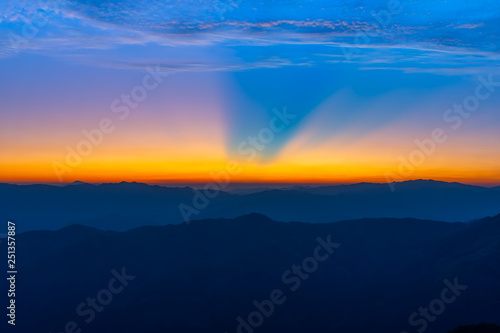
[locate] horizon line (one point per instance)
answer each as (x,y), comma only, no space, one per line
(247,184)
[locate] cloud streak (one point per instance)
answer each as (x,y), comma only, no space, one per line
(422,31)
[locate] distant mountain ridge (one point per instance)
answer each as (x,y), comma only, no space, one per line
(121,206)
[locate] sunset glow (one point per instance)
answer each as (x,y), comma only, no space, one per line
(181,110)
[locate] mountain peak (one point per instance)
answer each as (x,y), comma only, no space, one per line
(253,217)
(77,182)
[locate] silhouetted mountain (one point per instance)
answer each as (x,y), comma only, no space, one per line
(201,277)
(251,190)
(77,182)
(124,205)
(481,328)
(411,185)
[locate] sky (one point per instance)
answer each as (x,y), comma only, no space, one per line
(250,91)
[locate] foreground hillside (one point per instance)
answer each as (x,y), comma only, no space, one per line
(252,274)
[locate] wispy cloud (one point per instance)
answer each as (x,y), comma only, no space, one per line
(79,26)
(471,25)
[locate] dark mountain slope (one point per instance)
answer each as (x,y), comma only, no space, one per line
(202,276)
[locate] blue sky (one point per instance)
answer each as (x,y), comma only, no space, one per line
(356,67)
(435,36)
